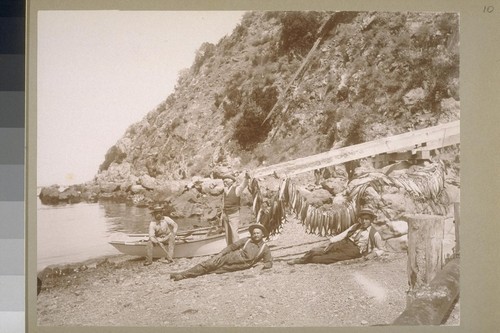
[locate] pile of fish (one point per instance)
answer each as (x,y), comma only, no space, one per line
(424,184)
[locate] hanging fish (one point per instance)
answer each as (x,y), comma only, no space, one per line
(291,194)
(304,212)
(254,186)
(321,231)
(319,216)
(258,219)
(293,198)
(331,223)
(299,202)
(281,189)
(309,217)
(265,219)
(337,222)
(344,219)
(285,197)
(328,223)
(257,201)
(312,220)
(298,212)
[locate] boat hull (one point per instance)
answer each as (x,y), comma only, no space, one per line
(183,248)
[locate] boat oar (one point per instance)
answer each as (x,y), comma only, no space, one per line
(164,249)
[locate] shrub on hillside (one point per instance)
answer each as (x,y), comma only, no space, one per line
(328,128)
(299,31)
(233,94)
(356,118)
(249,129)
(265,97)
(206,51)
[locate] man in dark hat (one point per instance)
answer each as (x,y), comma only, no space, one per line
(355,242)
(162,233)
(231,202)
(242,254)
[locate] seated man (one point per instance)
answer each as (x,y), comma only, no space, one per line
(162,233)
(240,255)
(355,242)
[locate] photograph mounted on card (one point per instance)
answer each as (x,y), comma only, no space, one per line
(254,166)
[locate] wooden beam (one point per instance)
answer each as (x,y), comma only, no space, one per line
(433,302)
(405,141)
(443,142)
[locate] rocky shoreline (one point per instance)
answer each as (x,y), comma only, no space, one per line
(119,290)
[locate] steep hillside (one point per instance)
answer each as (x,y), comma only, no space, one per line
(284,85)
(372,75)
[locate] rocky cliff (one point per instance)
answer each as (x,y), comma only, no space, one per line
(286,85)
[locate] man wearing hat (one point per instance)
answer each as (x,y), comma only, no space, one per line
(162,233)
(231,202)
(240,255)
(352,243)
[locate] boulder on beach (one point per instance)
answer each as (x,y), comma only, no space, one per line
(70,195)
(147,182)
(49,195)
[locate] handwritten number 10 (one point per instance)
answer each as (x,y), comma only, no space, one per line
(488,9)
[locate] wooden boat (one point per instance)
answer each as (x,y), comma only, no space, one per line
(189,243)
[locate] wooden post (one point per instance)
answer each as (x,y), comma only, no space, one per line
(425,237)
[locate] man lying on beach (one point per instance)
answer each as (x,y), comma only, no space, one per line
(355,242)
(240,255)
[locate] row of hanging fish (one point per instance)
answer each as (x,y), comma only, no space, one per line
(271,213)
(426,185)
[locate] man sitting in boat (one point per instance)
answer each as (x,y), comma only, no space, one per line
(240,255)
(161,235)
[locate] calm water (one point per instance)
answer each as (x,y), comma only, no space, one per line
(75,233)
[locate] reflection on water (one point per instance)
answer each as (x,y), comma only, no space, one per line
(125,218)
(77,232)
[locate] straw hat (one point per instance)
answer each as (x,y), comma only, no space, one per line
(251,227)
(367,211)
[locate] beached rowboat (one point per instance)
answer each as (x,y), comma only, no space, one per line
(190,243)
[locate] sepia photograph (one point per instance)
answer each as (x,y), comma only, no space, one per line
(253,168)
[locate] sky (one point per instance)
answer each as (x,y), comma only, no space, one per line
(98,72)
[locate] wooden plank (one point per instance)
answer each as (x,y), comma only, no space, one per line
(399,142)
(444,142)
(433,303)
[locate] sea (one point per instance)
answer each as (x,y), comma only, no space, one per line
(73,233)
